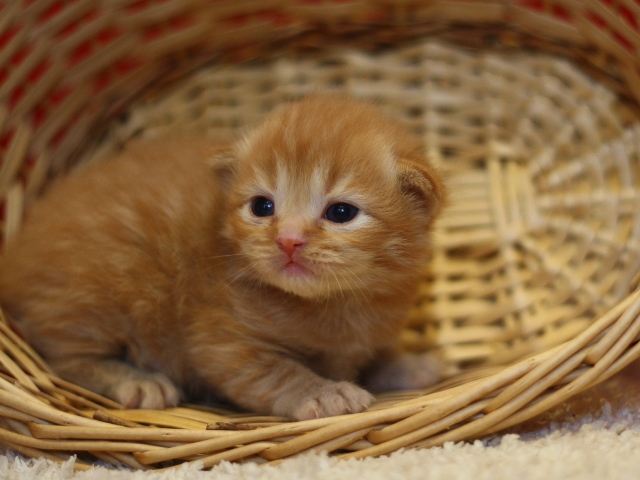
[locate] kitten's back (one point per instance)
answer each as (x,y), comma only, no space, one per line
(110,243)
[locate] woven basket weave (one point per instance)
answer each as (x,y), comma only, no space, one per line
(531,295)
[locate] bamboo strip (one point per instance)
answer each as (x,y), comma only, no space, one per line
(341,441)
(485,423)
(129,460)
(600,349)
(103,416)
(17,427)
(200,416)
(14,157)
(479,390)
(141,434)
(8,412)
(95,63)
(59,404)
(41,367)
(571,347)
(83,392)
(247,417)
(412,437)
(48,387)
(347,425)
(414,414)
(38,177)
(602,370)
(64,114)
(19,391)
(107,458)
(64,17)
(14,206)
(161,418)
(356,446)
(74,445)
(44,412)
(234,454)
(238,438)
(547,402)
(9,14)
(36,453)
(35,95)
(29,366)
(16,371)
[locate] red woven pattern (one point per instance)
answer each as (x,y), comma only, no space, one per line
(65,62)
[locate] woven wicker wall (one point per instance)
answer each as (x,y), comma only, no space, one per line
(541,245)
(68,66)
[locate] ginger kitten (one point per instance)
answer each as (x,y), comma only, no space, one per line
(272,272)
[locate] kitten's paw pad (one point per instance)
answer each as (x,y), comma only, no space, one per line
(333,399)
(406,372)
(153,391)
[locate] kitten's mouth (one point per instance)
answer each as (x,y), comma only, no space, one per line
(295,269)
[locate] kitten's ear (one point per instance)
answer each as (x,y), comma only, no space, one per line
(223,161)
(423,184)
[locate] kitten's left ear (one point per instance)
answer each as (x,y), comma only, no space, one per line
(223,161)
(423,184)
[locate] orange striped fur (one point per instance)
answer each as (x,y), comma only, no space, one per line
(149,276)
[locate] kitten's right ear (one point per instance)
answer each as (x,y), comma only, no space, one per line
(223,161)
(422,184)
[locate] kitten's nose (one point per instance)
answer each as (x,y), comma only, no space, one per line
(289,244)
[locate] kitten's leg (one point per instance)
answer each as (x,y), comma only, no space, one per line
(268,381)
(403,371)
(120,381)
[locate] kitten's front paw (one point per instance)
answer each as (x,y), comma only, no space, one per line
(336,398)
(151,391)
(405,372)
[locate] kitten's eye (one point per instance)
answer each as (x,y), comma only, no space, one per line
(341,213)
(262,207)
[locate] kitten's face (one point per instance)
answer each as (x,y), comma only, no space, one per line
(320,201)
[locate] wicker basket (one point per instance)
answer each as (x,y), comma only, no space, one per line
(531,296)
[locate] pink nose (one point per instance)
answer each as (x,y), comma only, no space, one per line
(289,244)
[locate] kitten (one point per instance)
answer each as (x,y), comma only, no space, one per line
(272,271)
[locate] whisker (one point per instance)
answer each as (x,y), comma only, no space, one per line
(198,268)
(236,275)
(339,285)
(367,294)
(348,283)
(213,257)
(364,288)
